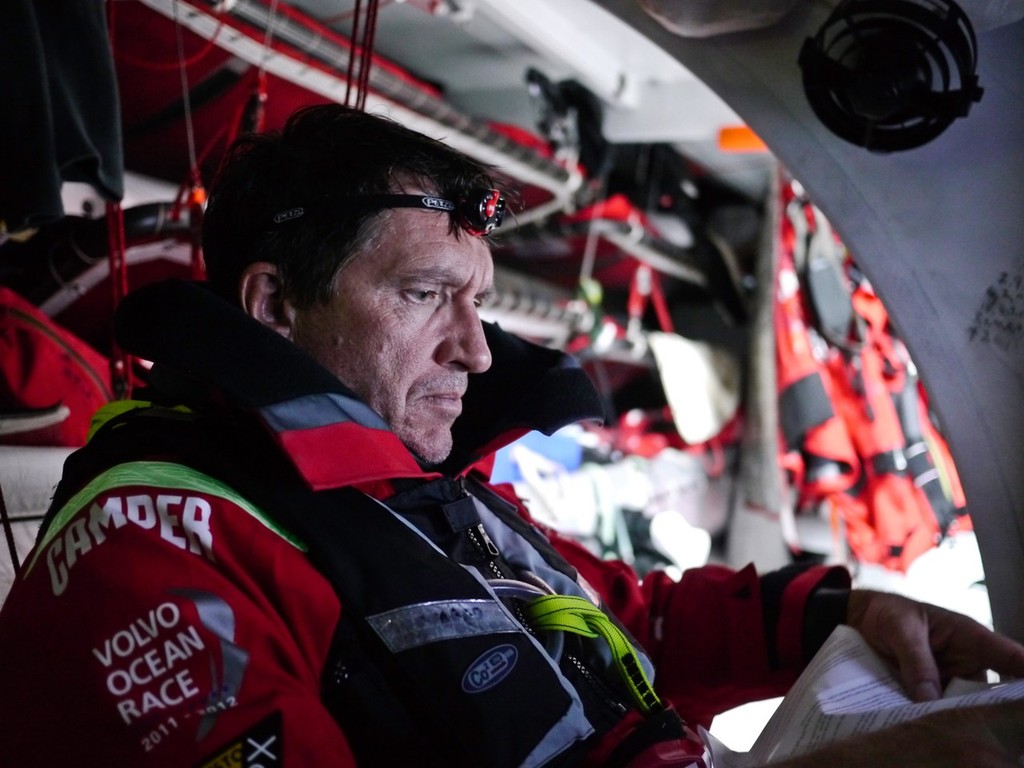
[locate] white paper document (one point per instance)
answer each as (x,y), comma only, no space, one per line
(846,690)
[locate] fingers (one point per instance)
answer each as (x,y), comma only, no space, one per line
(927,643)
(968,649)
(1005,656)
(910,646)
(898,628)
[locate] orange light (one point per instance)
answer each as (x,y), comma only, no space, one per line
(739,138)
(197,195)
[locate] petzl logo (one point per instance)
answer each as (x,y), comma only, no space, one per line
(440,203)
(490,669)
(291,213)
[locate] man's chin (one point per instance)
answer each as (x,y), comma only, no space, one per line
(429,449)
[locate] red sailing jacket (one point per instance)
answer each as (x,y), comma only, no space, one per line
(164,619)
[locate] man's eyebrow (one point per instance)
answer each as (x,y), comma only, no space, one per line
(443,275)
(447,277)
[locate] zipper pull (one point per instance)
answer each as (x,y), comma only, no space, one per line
(492,550)
(462,512)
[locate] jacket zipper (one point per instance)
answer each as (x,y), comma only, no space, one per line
(602,690)
(486,546)
(478,534)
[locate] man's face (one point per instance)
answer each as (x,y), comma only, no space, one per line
(402,329)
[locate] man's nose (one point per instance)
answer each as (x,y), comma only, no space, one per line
(465,345)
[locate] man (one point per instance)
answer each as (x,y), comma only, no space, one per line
(289,554)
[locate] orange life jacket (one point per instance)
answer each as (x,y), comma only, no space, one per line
(855,428)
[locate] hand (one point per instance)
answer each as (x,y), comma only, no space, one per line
(928,645)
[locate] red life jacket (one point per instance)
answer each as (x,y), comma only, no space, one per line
(817,450)
(900,494)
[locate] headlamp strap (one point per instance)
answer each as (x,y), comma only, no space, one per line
(478,215)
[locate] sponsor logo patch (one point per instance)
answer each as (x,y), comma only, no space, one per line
(181,521)
(259,747)
(490,669)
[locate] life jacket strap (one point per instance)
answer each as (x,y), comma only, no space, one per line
(569,613)
(892,462)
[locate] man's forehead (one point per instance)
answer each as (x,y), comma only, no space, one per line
(419,227)
(418,242)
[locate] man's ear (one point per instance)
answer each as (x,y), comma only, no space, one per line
(262,298)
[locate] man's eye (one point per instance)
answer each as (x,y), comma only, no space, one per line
(423,295)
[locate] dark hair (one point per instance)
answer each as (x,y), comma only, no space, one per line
(323,153)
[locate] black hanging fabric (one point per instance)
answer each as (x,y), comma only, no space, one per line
(62,121)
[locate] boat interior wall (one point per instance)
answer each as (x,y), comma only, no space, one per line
(938,231)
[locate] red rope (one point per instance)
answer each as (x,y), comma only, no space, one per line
(660,305)
(346,15)
(360,57)
(368,45)
(357,15)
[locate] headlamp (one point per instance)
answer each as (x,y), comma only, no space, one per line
(478,213)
